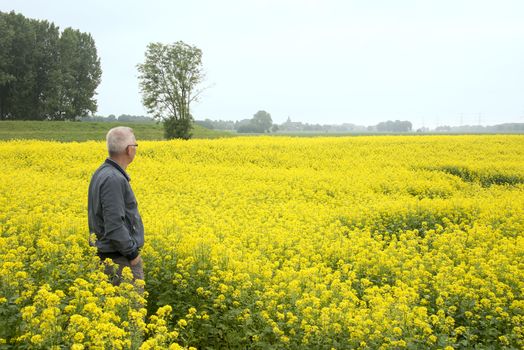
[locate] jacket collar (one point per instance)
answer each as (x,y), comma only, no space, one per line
(118,167)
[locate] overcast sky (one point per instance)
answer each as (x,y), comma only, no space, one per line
(430,62)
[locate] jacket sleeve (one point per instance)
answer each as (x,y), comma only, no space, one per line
(113,210)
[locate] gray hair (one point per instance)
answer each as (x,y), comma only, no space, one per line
(118,139)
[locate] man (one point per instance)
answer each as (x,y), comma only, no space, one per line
(112,207)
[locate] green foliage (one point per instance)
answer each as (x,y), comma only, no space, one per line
(178,128)
(262,120)
(45,75)
(394,126)
(80,75)
(168,79)
(260,123)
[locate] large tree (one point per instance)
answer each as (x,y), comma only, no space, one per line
(168,79)
(80,75)
(45,74)
(16,68)
(47,71)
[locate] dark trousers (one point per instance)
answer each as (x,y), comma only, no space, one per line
(115,272)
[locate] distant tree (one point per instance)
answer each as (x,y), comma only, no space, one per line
(95,118)
(394,126)
(224,125)
(217,124)
(249,128)
(245,126)
(168,80)
(385,126)
(208,123)
(443,128)
(262,121)
(515,127)
(274,128)
(135,118)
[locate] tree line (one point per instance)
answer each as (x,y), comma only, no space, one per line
(505,127)
(262,123)
(46,74)
(121,118)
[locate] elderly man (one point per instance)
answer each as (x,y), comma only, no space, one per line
(112,207)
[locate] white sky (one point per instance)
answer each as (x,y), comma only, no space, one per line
(428,61)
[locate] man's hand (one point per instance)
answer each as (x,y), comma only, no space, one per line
(136,260)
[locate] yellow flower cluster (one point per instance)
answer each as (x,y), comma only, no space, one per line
(383,242)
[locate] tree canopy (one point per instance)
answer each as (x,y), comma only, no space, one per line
(45,74)
(168,79)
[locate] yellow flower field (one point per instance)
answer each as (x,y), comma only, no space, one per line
(378,242)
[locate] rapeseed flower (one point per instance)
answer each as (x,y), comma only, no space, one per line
(373,242)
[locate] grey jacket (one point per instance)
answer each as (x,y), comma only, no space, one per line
(113,213)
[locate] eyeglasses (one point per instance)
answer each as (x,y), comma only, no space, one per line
(135,145)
